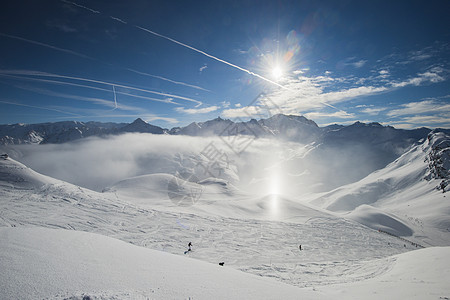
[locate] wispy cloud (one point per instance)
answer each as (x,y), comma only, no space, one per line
(311,93)
(421,107)
(358,64)
(352,62)
(433,76)
(308,93)
(240,112)
(373,110)
(429,112)
(203,68)
(337,114)
(61,26)
(433,121)
(192,111)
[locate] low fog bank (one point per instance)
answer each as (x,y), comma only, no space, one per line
(262,166)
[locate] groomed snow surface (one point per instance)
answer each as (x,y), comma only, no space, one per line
(61,241)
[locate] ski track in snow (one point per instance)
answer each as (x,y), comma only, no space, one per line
(335,250)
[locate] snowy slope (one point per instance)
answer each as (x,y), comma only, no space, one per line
(61,264)
(258,234)
(16,175)
(411,275)
(404,198)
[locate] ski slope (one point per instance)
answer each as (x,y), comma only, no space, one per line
(61,264)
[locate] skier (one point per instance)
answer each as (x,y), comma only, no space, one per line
(300,247)
(189,248)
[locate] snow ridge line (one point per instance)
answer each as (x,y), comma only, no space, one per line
(403,239)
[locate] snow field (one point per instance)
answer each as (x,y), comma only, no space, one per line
(334,248)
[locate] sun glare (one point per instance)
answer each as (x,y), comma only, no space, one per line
(277,72)
(274,186)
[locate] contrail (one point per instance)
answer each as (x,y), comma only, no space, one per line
(39,107)
(169,80)
(81,6)
(117,19)
(46,45)
(205,54)
(115,98)
(90,58)
(169,100)
(212,56)
(97,101)
(187,46)
(104,83)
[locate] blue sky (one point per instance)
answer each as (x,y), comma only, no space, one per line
(174,62)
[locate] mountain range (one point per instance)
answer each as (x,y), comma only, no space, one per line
(286,127)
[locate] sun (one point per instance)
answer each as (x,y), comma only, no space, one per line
(277,72)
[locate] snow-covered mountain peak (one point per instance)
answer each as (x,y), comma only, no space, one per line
(141,126)
(289,119)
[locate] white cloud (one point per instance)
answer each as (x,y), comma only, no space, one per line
(306,93)
(373,110)
(151,118)
(241,112)
(429,113)
(414,108)
(420,55)
(359,64)
(442,120)
(383,74)
(203,68)
(225,104)
(192,111)
(338,114)
(433,76)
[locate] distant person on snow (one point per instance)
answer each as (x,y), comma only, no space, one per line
(300,247)
(189,246)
